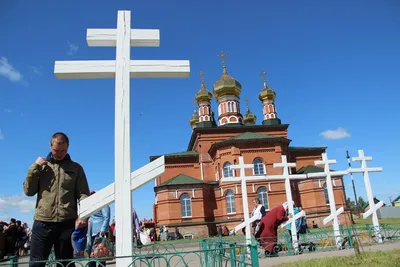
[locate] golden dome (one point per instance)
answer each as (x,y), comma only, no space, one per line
(194,119)
(226,85)
(249,117)
(266,93)
(203,95)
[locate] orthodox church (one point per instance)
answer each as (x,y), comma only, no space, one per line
(190,194)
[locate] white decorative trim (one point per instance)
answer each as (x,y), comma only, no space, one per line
(253,188)
(193,195)
(236,189)
(269,190)
(176,194)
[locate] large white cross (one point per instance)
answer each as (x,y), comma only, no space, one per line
(122,68)
(332,204)
(372,206)
(287,177)
(106,196)
(243,179)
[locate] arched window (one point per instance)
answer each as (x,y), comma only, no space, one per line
(263,197)
(326,194)
(230,202)
(228,172)
(258,166)
(186,206)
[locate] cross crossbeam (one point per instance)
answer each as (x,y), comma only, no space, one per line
(108,37)
(88,69)
(122,69)
(287,176)
(106,196)
(243,179)
(328,174)
(373,208)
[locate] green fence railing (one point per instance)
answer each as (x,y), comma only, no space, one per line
(233,250)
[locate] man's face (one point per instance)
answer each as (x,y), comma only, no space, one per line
(59,150)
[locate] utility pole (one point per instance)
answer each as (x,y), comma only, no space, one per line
(352,182)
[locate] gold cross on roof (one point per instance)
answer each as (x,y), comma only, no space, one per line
(223,55)
(264,75)
(201,74)
(247,103)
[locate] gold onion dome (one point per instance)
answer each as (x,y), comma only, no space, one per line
(194,119)
(203,95)
(226,85)
(266,93)
(249,117)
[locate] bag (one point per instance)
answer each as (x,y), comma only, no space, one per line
(102,248)
(257,229)
(145,239)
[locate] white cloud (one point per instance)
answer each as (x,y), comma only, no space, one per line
(8,71)
(20,202)
(73,48)
(7,110)
(339,133)
(1,135)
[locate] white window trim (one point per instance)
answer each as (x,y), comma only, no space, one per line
(264,169)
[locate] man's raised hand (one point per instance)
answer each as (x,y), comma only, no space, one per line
(41,161)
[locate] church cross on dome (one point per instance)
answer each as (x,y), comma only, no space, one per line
(223,56)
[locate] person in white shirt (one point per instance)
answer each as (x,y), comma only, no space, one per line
(258,211)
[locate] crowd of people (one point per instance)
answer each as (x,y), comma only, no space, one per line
(14,238)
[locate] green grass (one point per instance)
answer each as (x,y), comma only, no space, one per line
(381,221)
(372,259)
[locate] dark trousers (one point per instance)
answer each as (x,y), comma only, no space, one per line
(45,235)
(290,233)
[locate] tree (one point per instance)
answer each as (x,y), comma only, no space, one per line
(361,204)
(352,206)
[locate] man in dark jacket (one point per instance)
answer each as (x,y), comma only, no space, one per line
(59,183)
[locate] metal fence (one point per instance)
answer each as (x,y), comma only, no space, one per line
(233,250)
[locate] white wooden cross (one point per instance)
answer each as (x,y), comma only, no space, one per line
(287,177)
(332,204)
(372,206)
(122,68)
(243,179)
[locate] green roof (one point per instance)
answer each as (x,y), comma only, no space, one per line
(250,136)
(309,169)
(247,137)
(376,201)
(184,153)
(182,179)
(176,155)
(297,148)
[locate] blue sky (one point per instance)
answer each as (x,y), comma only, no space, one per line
(333,64)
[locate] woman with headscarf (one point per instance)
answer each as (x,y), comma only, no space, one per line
(268,228)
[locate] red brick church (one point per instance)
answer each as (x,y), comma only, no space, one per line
(190,194)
